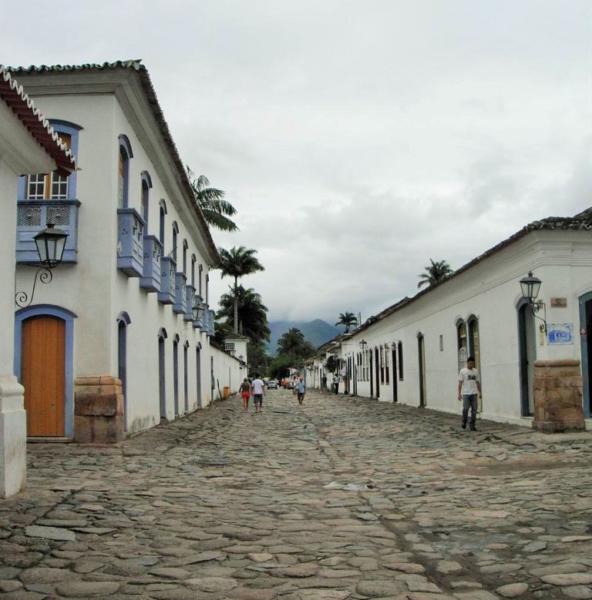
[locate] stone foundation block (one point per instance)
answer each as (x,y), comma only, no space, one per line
(98,410)
(558,396)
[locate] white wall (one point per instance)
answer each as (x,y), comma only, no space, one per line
(491,292)
(97,292)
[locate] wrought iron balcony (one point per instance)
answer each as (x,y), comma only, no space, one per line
(130,242)
(151,277)
(190,295)
(168,268)
(33,217)
(180,305)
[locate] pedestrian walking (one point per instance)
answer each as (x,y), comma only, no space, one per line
(301,390)
(258,388)
(245,390)
(324,382)
(469,389)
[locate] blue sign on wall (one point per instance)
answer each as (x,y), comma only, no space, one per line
(560,333)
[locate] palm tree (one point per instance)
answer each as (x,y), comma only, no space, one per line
(252,313)
(238,262)
(210,200)
(435,272)
(293,343)
(348,319)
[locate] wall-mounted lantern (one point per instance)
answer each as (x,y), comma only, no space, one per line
(197,310)
(530,286)
(363,344)
(50,244)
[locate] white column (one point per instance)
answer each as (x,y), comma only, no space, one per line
(13,437)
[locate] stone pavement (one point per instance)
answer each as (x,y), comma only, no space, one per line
(340,498)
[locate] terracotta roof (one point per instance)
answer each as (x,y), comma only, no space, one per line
(579,222)
(139,68)
(22,106)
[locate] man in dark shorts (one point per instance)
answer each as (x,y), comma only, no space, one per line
(300,390)
(258,388)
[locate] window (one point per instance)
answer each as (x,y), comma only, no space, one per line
(381,364)
(175,236)
(207,289)
(474,349)
(200,287)
(145,196)
(163,212)
(386,365)
(462,348)
(193,260)
(52,186)
(400,356)
(185,246)
(441,343)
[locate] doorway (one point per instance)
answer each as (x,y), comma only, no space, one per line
(370,373)
(377,372)
(161,379)
(122,364)
(422,382)
(394,375)
(586,350)
(43,374)
(527,356)
(176,376)
(198,375)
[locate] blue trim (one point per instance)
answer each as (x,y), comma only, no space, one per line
(145,177)
(50,310)
(163,205)
(125,144)
(60,126)
(124,316)
(585,359)
(21,189)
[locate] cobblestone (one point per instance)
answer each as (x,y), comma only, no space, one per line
(338,498)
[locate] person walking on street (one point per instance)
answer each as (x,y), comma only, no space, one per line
(301,390)
(258,388)
(245,390)
(469,389)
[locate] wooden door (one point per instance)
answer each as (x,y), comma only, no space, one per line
(43,373)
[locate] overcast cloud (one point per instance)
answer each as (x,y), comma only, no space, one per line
(356,138)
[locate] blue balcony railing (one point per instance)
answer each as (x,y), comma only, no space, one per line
(33,217)
(205,320)
(150,280)
(199,322)
(190,295)
(180,305)
(211,322)
(130,242)
(168,268)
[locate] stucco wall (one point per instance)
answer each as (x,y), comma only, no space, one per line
(490,291)
(98,293)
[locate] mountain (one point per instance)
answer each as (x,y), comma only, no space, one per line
(317,332)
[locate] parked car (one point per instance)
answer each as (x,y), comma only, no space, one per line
(272,384)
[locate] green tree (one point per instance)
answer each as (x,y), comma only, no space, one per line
(215,209)
(347,319)
(332,364)
(258,358)
(236,263)
(251,314)
(435,272)
(293,343)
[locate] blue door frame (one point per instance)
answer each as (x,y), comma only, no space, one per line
(49,310)
(585,302)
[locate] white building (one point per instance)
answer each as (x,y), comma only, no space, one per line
(27,145)
(412,351)
(113,339)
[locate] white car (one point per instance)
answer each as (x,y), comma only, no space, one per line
(272,384)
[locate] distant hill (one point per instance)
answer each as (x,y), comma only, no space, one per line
(317,332)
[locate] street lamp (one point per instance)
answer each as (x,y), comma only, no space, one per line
(363,344)
(530,286)
(50,244)
(197,310)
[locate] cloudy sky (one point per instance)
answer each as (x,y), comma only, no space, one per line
(357,138)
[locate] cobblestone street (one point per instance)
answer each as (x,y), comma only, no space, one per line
(340,498)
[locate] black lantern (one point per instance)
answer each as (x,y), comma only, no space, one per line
(363,344)
(51,243)
(530,286)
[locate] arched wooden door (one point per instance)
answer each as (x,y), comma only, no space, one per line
(43,374)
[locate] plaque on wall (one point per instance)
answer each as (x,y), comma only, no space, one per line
(560,334)
(558,302)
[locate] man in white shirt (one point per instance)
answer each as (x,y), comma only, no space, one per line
(258,388)
(469,388)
